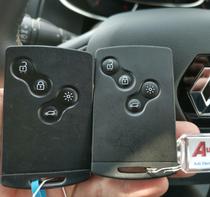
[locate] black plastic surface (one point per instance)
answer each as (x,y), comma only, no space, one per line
(33,149)
(125,139)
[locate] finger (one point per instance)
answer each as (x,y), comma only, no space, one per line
(106,187)
(55,192)
(183,127)
(9,192)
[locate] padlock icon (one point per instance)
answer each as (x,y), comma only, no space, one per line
(110,65)
(125,80)
(23,68)
(41,85)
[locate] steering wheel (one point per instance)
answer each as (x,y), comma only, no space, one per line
(185,31)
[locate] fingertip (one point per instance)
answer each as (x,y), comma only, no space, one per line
(181,174)
(1,91)
(100,186)
(161,187)
(166,186)
(148,188)
(184,127)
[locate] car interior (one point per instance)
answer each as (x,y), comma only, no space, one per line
(104,48)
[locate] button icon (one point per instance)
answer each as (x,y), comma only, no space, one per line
(134,105)
(68,96)
(150,89)
(22,68)
(41,85)
(49,114)
(124,81)
(110,66)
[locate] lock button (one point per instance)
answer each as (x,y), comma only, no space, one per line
(125,81)
(41,87)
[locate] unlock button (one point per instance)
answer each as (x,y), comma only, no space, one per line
(41,87)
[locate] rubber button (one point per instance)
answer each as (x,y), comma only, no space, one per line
(41,87)
(49,114)
(150,89)
(134,105)
(22,68)
(68,96)
(125,81)
(110,66)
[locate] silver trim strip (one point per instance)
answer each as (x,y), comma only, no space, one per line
(72,7)
(80,11)
(175,5)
